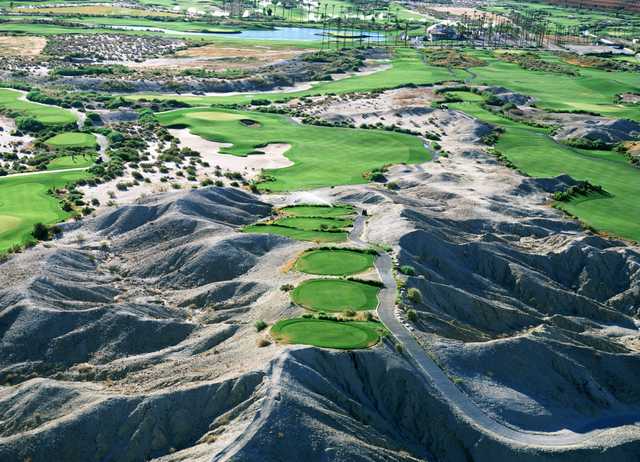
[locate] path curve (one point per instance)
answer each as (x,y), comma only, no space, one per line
(456,398)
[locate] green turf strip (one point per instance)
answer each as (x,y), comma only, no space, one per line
(534,152)
(322,156)
(298,234)
(336,262)
(72,140)
(407,68)
(10,101)
(327,334)
(24,201)
(318,211)
(314,224)
(336,295)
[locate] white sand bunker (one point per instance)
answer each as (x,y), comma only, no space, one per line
(273,156)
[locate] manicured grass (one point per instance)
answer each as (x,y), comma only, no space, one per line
(72,140)
(534,152)
(318,211)
(327,334)
(298,234)
(336,295)
(314,224)
(336,262)
(10,101)
(407,68)
(24,201)
(66,162)
(593,90)
(322,156)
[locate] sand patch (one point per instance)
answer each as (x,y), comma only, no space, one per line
(273,156)
(21,45)
(214,51)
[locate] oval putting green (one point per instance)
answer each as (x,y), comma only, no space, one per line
(336,295)
(72,140)
(336,262)
(326,334)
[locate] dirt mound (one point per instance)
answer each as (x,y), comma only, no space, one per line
(601,131)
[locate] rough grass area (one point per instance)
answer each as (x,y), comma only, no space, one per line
(72,140)
(11,102)
(298,234)
(336,262)
(322,156)
(318,211)
(336,295)
(534,152)
(24,201)
(327,334)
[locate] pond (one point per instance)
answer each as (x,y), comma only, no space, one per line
(280,33)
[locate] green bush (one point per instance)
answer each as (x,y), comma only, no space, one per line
(408,270)
(412,315)
(260,325)
(414,295)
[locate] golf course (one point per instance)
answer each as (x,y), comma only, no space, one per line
(319,154)
(12,102)
(534,152)
(25,201)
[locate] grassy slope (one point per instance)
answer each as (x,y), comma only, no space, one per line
(407,68)
(73,140)
(334,262)
(538,155)
(314,211)
(9,101)
(335,295)
(298,234)
(594,90)
(320,154)
(24,201)
(327,334)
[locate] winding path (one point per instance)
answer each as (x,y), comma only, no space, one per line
(457,399)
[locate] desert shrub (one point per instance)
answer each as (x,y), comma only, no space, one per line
(408,270)
(414,295)
(262,342)
(260,325)
(412,315)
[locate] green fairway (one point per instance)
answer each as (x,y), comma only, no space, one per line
(336,295)
(24,201)
(318,210)
(336,262)
(298,234)
(593,90)
(327,334)
(67,162)
(72,140)
(314,224)
(534,152)
(322,156)
(11,102)
(407,68)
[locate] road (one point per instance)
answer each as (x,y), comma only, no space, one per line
(457,399)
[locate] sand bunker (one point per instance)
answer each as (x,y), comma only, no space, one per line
(210,151)
(21,46)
